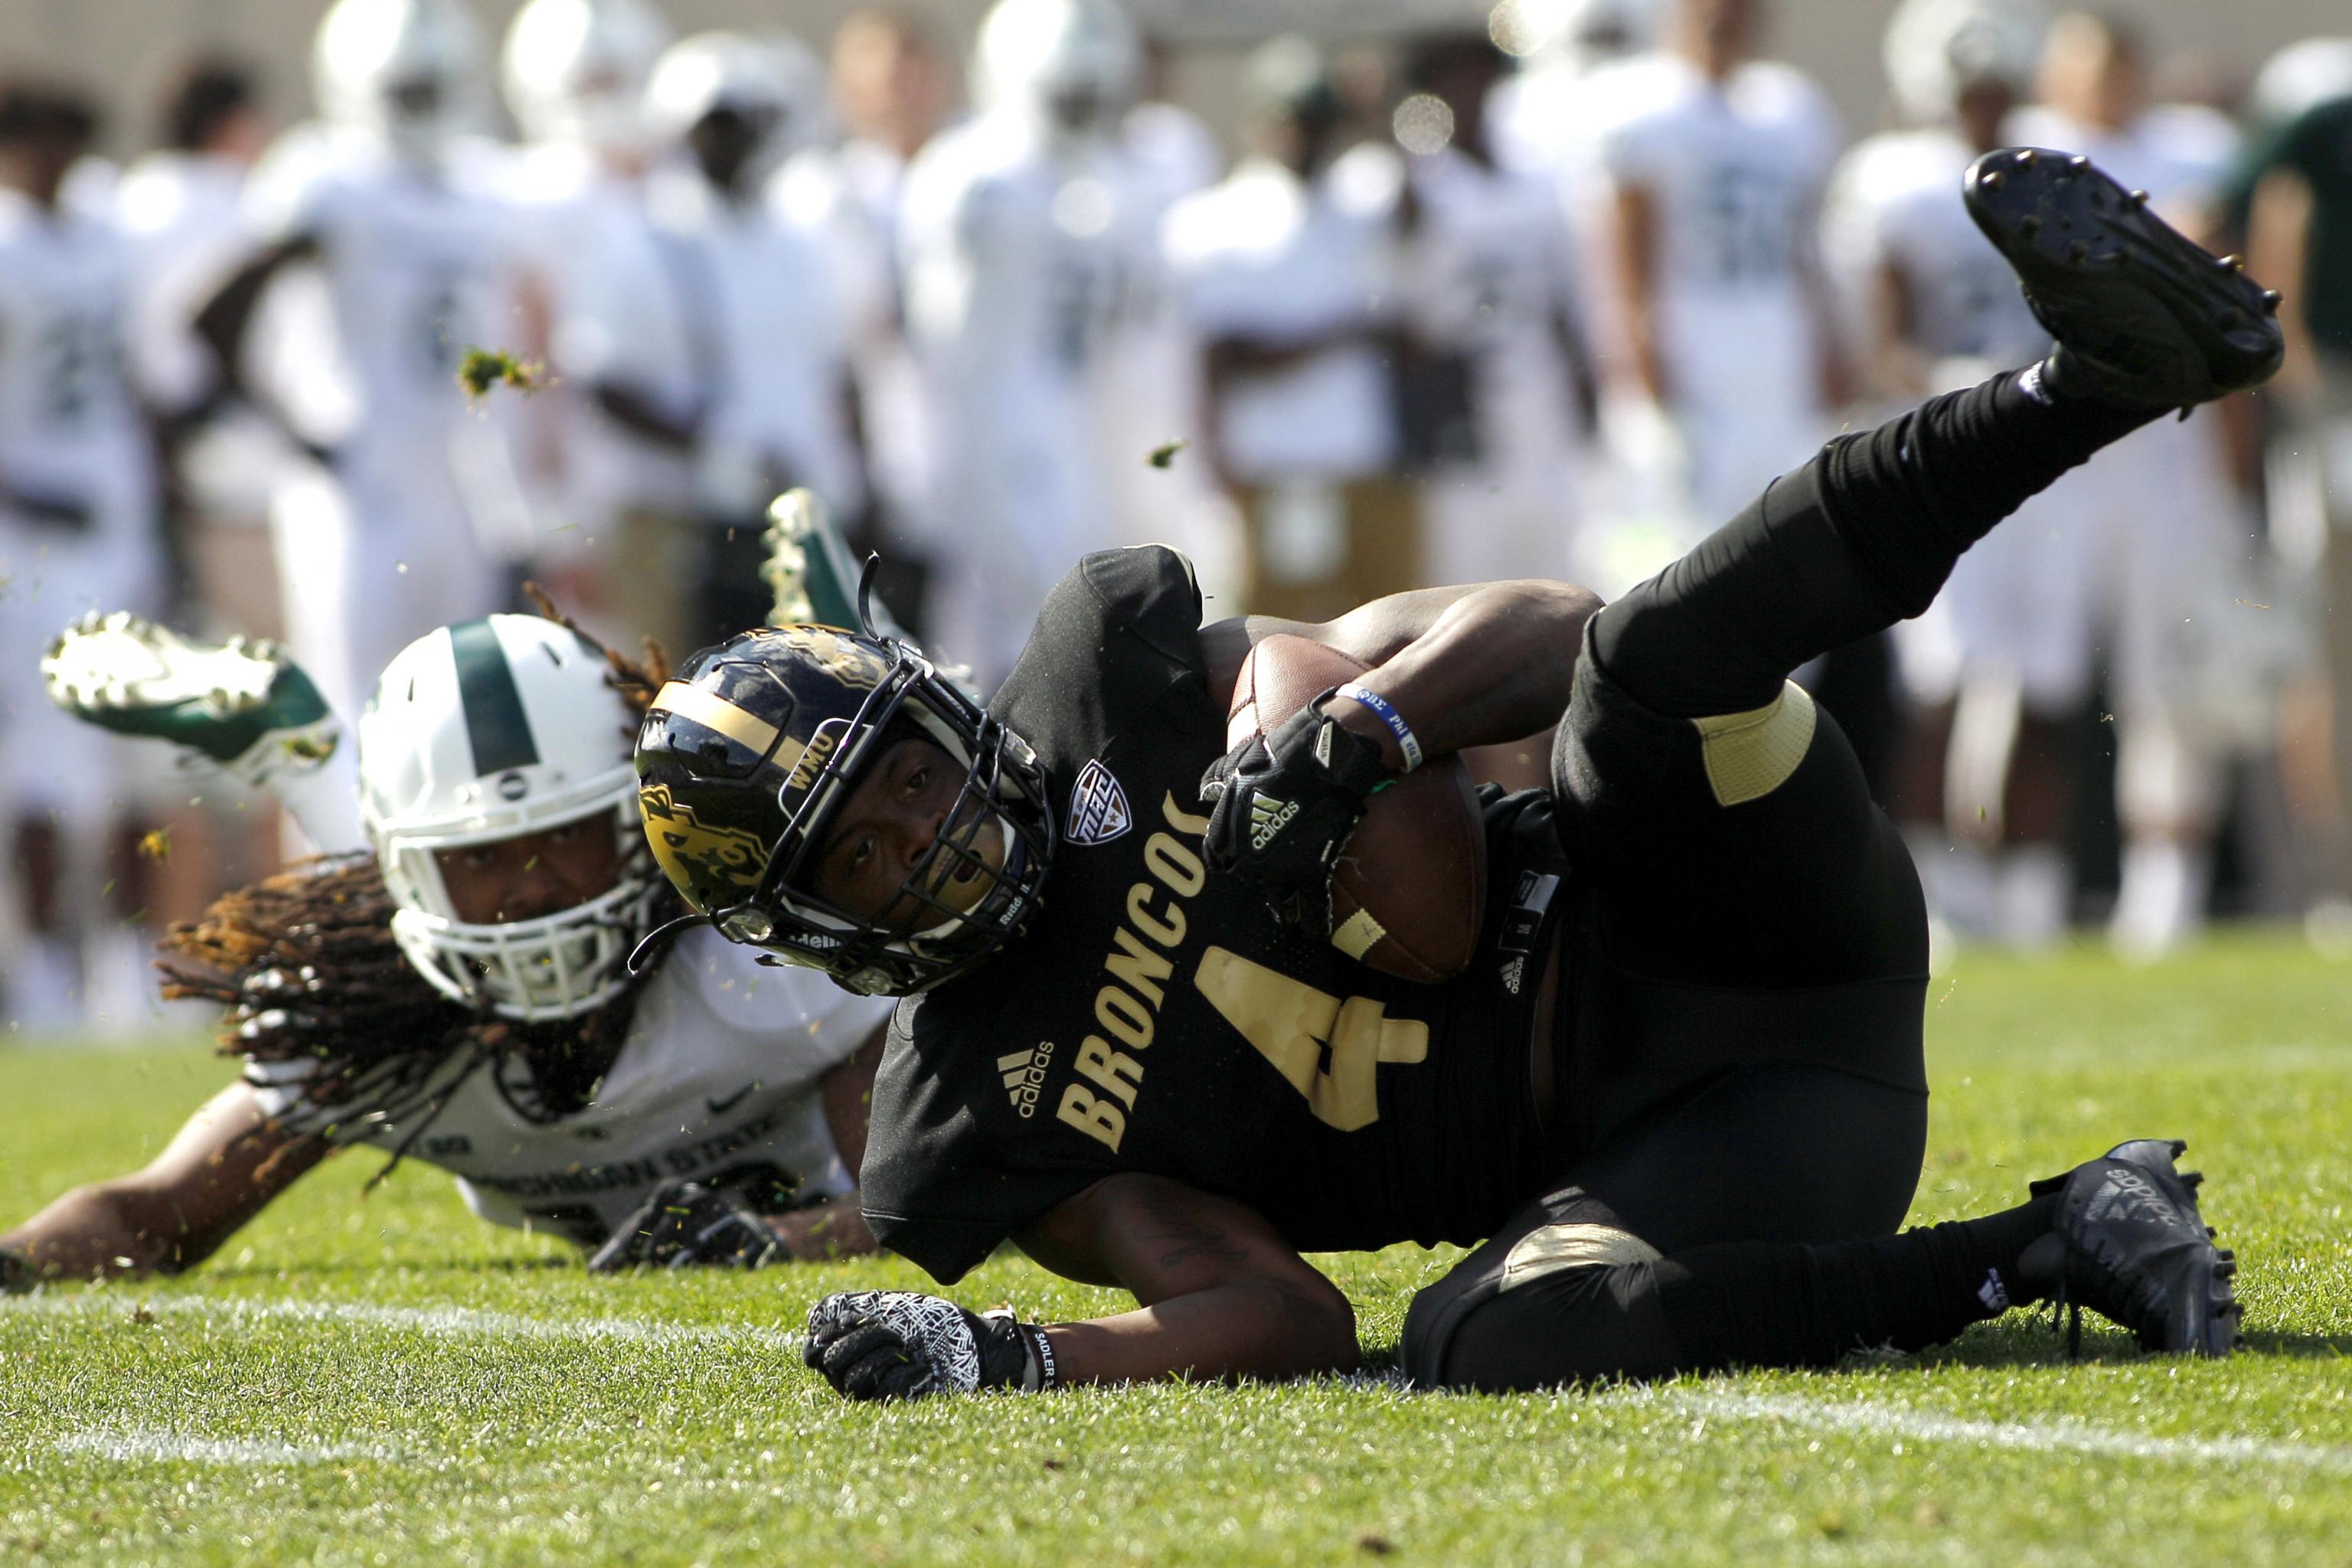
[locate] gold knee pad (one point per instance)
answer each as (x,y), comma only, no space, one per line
(1749,755)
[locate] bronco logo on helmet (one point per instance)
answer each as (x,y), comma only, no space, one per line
(753,746)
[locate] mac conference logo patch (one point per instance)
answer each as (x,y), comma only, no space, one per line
(1099,811)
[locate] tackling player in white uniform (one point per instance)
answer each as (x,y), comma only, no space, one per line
(77,530)
(460,996)
(2002,661)
(1027,236)
(1718,161)
(417,511)
(2172,552)
(1489,282)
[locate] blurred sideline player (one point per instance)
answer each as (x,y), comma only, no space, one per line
(573,74)
(1498,357)
(892,90)
(2293,194)
(180,206)
(414,513)
(2000,664)
(1717,162)
(1025,232)
(459,992)
(79,529)
(2171,541)
(1287,274)
(720,346)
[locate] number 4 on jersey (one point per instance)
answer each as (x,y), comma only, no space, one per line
(1331,1050)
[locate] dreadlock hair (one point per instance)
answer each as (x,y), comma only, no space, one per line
(304,964)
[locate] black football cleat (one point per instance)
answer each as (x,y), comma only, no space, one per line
(2130,1245)
(2144,318)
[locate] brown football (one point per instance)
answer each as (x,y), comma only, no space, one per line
(1411,883)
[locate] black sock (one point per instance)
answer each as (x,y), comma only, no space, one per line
(1859,538)
(1761,1304)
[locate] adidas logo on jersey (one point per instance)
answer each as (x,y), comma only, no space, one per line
(1098,812)
(1024,1075)
(1269,817)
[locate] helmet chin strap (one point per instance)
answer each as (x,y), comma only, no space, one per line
(657,941)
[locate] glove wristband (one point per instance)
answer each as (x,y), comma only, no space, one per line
(1387,714)
(1041,1360)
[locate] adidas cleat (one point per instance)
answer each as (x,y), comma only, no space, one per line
(242,705)
(2144,317)
(2130,1245)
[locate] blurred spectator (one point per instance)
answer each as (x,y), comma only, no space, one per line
(1025,233)
(1286,271)
(1496,390)
(1718,161)
(78,532)
(573,74)
(893,91)
(413,515)
(1999,667)
(2294,195)
(2300,77)
(2171,544)
(725,357)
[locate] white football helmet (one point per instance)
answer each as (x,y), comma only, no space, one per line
(410,71)
(1077,62)
(485,731)
(1933,48)
(768,75)
(575,70)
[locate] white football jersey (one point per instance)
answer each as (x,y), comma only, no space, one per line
(70,425)
(1895,202)
(419,266)
(1490,272)
(1735,170)
(730,313)
(718,1081)
(1026,265)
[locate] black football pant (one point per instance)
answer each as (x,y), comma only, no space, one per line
(1742,1098)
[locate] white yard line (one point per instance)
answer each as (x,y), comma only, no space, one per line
(450,1322)
(1849,1418)
(122,1446)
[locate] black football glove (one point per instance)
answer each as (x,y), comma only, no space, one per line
(1284,807)
(685,1225)
(901,1344)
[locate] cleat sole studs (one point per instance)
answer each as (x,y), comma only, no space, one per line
(2080,251)
(1992,179)
(2026,159)
(2231,263)
(2140,198)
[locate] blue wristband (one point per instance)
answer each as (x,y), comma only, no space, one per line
(1387,715)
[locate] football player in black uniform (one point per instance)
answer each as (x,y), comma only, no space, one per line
(1678,1095)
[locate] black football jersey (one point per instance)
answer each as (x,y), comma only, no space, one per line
(1156,1017)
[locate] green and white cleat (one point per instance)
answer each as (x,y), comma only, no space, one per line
(243,706)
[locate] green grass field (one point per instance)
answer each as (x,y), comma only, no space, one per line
(387,1380)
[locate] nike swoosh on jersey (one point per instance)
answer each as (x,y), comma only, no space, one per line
(721,1106)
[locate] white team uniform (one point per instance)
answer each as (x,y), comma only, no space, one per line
(71,433)
(424,507)
(2020,607)
(1019,258)
(574,216)
(1735,170)
(1490,274)
(718,1081)
(2170,547)
(727,313)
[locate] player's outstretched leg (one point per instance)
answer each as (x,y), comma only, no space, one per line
(243,707)
(1563,1295)
(1865,534)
